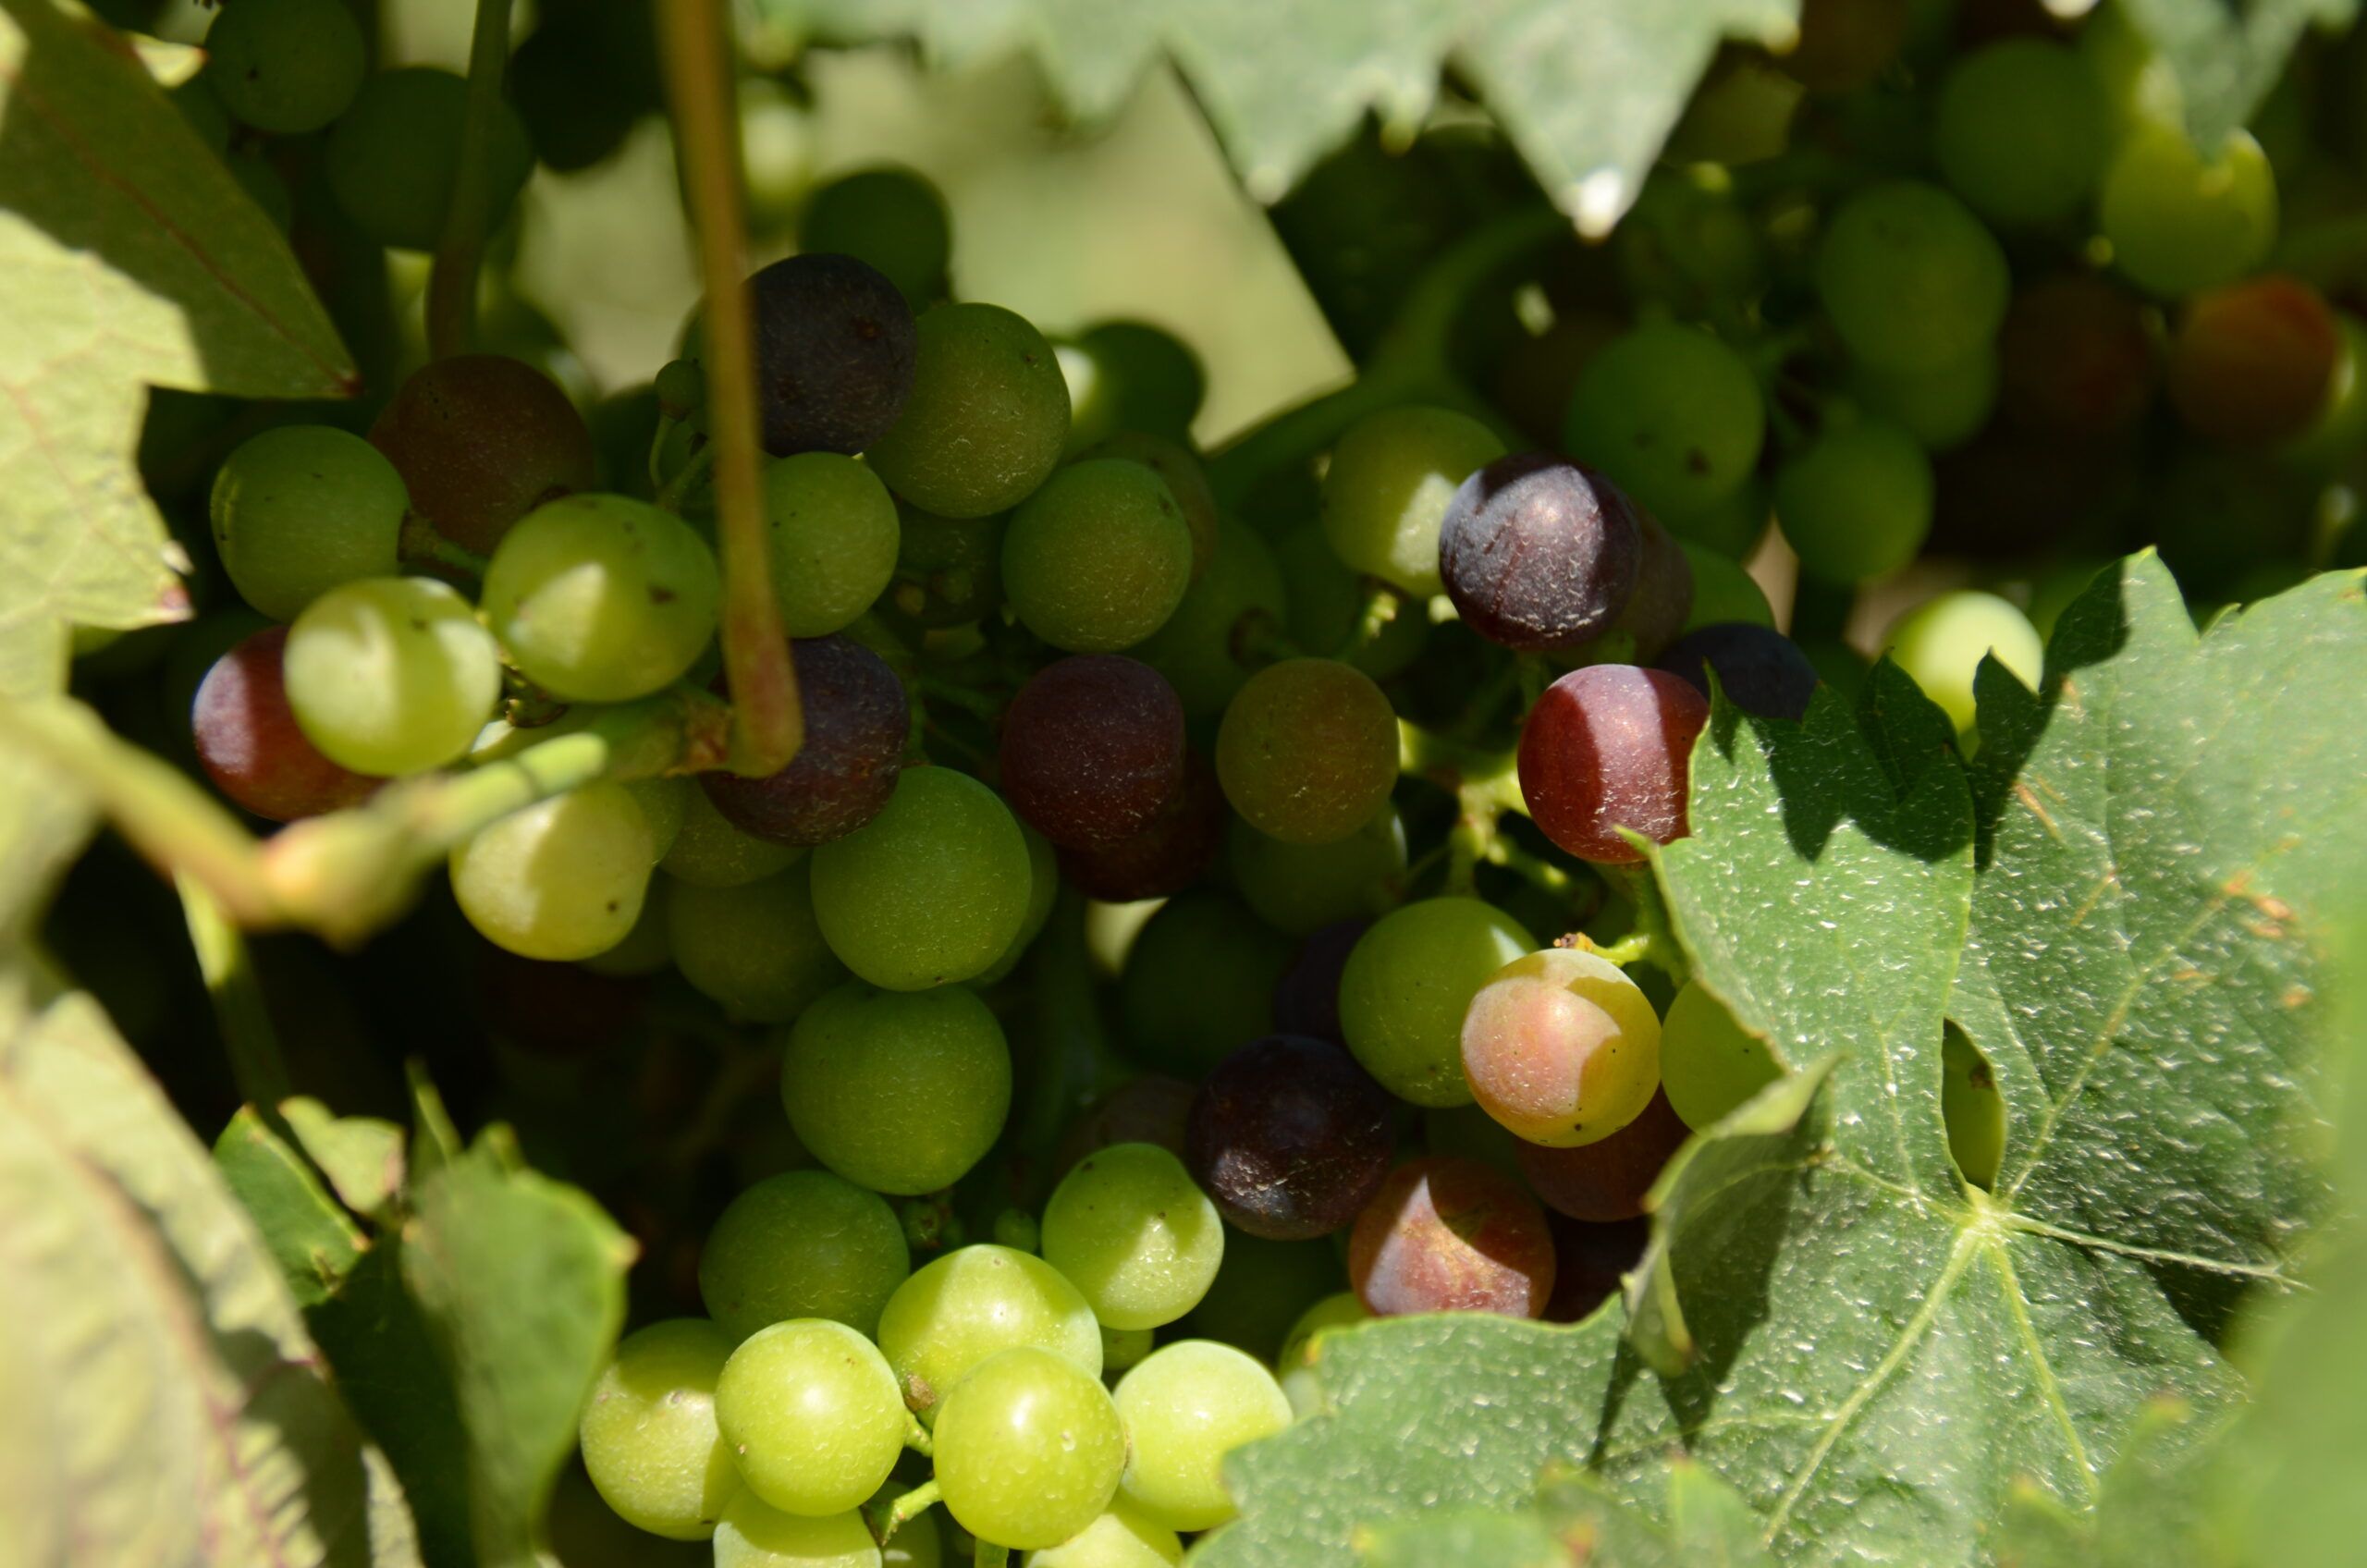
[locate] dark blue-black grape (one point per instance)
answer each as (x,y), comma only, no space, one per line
(1290,1138)
(856,723)
(1308,1000)
(835,351)
(1762,670)
(1538,552)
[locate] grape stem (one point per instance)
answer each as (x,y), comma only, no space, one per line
(768,724)
(230,976)
(670,493)
(1381,607)
(452,285)
(421,546)
(885,1520)
(917,1436)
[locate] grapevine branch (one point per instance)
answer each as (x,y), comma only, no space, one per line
(452,285)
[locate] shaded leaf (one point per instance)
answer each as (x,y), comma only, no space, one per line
(315,1242)
(2226,58)
(361,1156)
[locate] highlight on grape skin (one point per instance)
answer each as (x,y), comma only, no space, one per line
(1561,1047)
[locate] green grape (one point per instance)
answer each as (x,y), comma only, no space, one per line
(834,540)
(811,1414)
(391,675)
(265,185)
(1299,888)
(1974,1109)
(1307,750)
(1261,1288)
(1043,888)
(2178,224)
(202,108)
(602,598)
(2341,428)
(1723,591)
(1098,557)
(1028,1449)
(665,801)
(1197,649)
(394,157)
(645,949)
(803,1243)
(987,418)
(1671,414)
(1186,479)
(707,852)
(1911,279)
(972,1303)
(1326,602)
(1561,1047)
(2054,593)
(302,508)
(1136,1238)
(1130,376)
(1709,1065)
(285,66)
(1123,1537)
(563,878)
(2022,130)
(930,891)
(1856,504)
(1303,1351)
(1942,409)
(1408,982)
(892,220)
(1184,1408)
(1386,492)
(1731,528)
(1120,1348)
(753,1534)
(1942,642)
(650,1439)
(756,948)
(901,1092)
(1198,982)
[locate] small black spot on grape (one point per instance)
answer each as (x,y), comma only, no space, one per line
(659,595)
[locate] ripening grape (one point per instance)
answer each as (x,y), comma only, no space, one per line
(1028,1449)
(892,220)
(2022,130)
(1199,982)
(1974,1111)
(834,536)
(1098,557)
(1148,1109)
(393,159)
(1671,414)
(1123,1537)
(1590,1262)
(1605,1180)
(987,415)
(1092,748)
(299,509)
(1132,376)
(972,1303)
(1942,642)
(708,851)
(1386,492)
(1709,1063)
(1184,478)
(1299,888)
(247,738)
(1452,1235)
(563,878)
(1760,670)
(1307,750)
(1133,1235)
(857,721)
(2077,357)
(602,598)
(837,354)
(805,1243)
(756,948)
(650,1439)
(932,889)
(286,66)
(480,441)
(1169,853)
(1290,1138)
(810,1415)
(1909,278)
(753,1534)
(391,675)
(2254,363)
(2179,222)
(1561,1047)
(1185,1407)
(901,1092)
(1856,503)
(1537,553)
(1611,747)
(1407,985)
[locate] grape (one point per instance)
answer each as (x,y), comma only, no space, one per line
(889,219)
(602,598)
(1974,1111)
(931,889)
(1098,557)
(391,675)
(1845,43)
(834,540)
(1198,982)
(1185,480)
(803,1243)
(1133,1235)
(1452,1235)
(710,853)
(2075,359)
(1303,1352)
(1662,606)
(1589,1263)
(1328,603)
(1146,1109)
(1671,415)
(583,79)
(1408,984)
(1943,407)
(972,1302)
(1184,1408)
(285,66)
(247,738)
(650,1439)
(1942,642)
(1608,747)
(1392,476)
(1199,649)
(1307,750)
(1690,244)
(1092,748)
(298,510)
(837,355)
(949,570)
(1028,1449)
(1123,1537)
(480,441)
(1260,1290)
(812,1415)
(2340,427)
(1299,888)
(986,419)
(1168,855)
(203,110)
(1132,376)
(1537,553)
(1606,1180)
(901,1092)
(645,949)
(564,878)
(1856,504)
(1468,1132)
(394,156)
(1709,1064)
(2254,363)
(1909,278)
(1723,591)
(1538,372)
(1762,671)
(1290,1138)
(1043,888)
(2022,129)
(756,948)
(753,1534)
(2177,223)
(845,772)
(1561,1047)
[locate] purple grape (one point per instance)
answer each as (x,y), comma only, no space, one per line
(1762,670)
(1289,1137)
(1168,855)
(1307,1000)
(1540,553)
(1092,748)
(836,348)
(856,722)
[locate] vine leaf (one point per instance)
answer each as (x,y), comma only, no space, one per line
(2226,58)
(133,258)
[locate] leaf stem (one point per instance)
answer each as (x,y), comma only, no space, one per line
(452,285)
(229,974)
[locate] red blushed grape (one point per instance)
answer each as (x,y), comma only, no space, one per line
(1092,747)
(1606,1180)
(2075,359)
(1290,1138)
(1168,855)
(1152,1108)
(1762,671)
(1607,747)
(1561,1047)
(856,723)
(247,738)
(2253,363)
(1589,1262)
(1452,1235)
(1308,1000)
(480,441)
(836,351)
(1538,552)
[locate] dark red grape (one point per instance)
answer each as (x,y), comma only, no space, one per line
(1540,553)
(247,738)
(1607,747)
(1606,1180)
(1589,1263)
(480,441)
(1289,1137)
(1762,671)
(1152,1108)
(2075,359)
(1307,1000)
(1168,855)
(2254,363)
(836,348)
(1452,1235)
(856,723)
(1092,747)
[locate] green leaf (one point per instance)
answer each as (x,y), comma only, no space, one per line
(133,258)
(1586,89)
(163,1400)
(315,1242)
(1459,1540)
(2152,1510)
(361,1156)
(2226,58)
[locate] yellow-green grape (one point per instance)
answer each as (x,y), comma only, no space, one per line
(2179,222)
(1709,1065)
(563,878)
(1098,559)
(1942,642)
(919,1542)
(973,1302)
(666,802)
(1028,1449)
(2022,130)
(1120,1348)
(299,509)
(1561,1047)
(1909,278)
(756,948)
(1974,1109)
(1043,888)
(1408,982)
(286,66)
(1723,592)
(1671,414)
(834,535)
(650,1440)
(391,675)
(708,851)
(753,1534)
(930,891)
(986,417)
(1300,889)
(602,598)
(1308,752)
(805,1243)
(1856,504)
(1387,489)
(645,949)
(810,1412)
(1301,1380)
(1196,650)
(1123,1537)
(901,1092)
(1184,1408)
(1139,1240)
